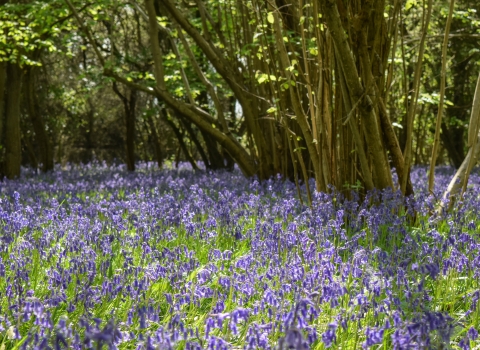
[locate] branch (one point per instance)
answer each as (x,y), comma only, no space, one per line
(462,36)
(86,31)
(63,19)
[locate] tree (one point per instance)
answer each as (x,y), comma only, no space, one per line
(298,88)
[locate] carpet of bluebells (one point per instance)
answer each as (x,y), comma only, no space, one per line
(96,257)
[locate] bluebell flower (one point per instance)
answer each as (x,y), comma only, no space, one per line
(329,336)
(472,333)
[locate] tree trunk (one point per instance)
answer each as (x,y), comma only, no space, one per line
(197,116)
(27,142)
(382,173)
(460,179)
(3,80)
(194,138)
(44,146)
(130,124)
(181,141)
(157,146)
(13,148)
(129,105)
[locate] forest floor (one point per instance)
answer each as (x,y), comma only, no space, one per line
(96,256)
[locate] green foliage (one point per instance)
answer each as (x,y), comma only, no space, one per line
(30,27)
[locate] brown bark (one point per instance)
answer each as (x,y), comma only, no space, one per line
(390,138)
(366,173)
(383,177)
(156,141)
(129,105)
(27,142)
(33,108)
(194,138)
(3,80)
(192,112)
(180,139)
(13,148)
(232,77)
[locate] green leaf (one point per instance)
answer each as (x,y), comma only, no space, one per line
(409,4)
(272,110)
(270,18)
(261,79)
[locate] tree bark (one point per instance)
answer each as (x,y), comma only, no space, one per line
(130,121)
(157,146)
(194,138)
(460,179)
(181,141)
(13,147)
(3,80)
(215,157)
(129,105)
(366,174)
(390,138)
(44,146)
(383,176)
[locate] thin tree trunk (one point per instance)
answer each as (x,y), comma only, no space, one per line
(195,140)
(131,129)
(27,142)
(296,103)
(157,146)
(460,179)
(180,139)
(199,117)
(414,98)
(390,138)
(129,105)
(3,80)
(436,141)
(13,147)
(473,129)
(366,174)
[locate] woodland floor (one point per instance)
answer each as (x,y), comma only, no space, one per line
(94,256)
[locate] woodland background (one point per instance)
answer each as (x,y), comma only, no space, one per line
(339,91)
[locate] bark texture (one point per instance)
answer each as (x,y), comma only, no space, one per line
(13,147)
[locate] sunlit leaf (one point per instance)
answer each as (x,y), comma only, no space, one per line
(270,18)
